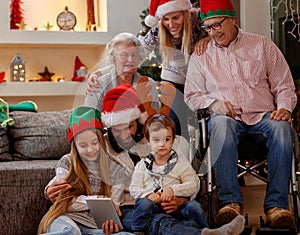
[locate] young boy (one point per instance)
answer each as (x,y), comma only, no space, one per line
(163,175)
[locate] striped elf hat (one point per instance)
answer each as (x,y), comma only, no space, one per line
(83,118)
(216,8)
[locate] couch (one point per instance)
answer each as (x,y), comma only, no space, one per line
(29,151)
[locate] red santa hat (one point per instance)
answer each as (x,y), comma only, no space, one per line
(159,8)
(77,65)
(216,8)
(121,105)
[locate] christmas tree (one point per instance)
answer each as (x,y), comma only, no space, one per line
(16,14)
(151,67)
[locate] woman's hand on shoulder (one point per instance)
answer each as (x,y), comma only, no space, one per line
(91,84)
(201,45)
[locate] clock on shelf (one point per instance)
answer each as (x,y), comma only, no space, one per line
(66,20)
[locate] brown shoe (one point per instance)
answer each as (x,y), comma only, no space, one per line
(278,217)
(227,213)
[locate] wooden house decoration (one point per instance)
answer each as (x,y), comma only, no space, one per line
(17,69)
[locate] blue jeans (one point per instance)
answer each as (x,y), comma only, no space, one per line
(63,225)
(145,210)
(224,135)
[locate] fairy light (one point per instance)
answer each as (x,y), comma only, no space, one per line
(290,10)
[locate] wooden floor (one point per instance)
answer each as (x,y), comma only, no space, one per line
(253,197)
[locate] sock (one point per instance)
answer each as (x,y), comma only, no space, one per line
(235,227)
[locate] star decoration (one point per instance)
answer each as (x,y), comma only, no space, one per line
(47,26)
(21,25)
(46,75)
(90,27)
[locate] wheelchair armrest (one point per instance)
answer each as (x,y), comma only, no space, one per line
(202,113)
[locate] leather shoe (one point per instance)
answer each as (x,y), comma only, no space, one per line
(227,213)
(281,218)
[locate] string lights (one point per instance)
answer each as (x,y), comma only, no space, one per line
(291,10)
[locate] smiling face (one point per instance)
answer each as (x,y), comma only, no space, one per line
(174,23)
(126,59)
(123,134)
(226,34)
(87,144)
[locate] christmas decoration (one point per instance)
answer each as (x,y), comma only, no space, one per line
(151,67)
(21,25)
(17,68)
(16,14)
(46,75)
(291,8)
(91,22)
(47,26)
(80,70)
(2,76)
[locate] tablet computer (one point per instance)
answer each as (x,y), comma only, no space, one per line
(102,209)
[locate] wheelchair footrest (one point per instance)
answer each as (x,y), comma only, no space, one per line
(275,231)
(247,230)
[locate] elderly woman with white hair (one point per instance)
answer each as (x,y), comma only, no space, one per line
(125,54)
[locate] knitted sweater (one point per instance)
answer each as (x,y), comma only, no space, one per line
(78,210)
(178,174)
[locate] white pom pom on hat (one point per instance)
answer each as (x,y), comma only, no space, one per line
(159,8)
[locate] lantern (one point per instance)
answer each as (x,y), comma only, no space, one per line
(17,69)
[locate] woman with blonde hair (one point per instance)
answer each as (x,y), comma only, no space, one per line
(176,30)
(88,176)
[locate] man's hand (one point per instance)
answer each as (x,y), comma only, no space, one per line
(173,205)
(223,108)
(54,189)
(281,115)
(91,83)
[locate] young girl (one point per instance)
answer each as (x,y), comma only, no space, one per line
(163,175)
(88,175)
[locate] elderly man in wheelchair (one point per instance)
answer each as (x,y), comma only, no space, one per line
(251,91)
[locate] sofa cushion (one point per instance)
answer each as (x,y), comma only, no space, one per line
(39,135)
(4,145)
(22,199)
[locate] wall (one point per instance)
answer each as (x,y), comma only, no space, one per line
(255,16)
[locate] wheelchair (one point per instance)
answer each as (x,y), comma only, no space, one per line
(248,163)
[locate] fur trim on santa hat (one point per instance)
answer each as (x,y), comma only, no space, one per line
(159,8)
(121,105)
(120,117)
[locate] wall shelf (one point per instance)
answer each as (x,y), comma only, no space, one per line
(21,89)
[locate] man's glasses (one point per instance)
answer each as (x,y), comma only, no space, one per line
(215,26)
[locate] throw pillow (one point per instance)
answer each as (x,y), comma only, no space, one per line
(39,135)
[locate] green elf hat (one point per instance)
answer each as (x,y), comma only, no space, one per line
(83,118)
(216,8)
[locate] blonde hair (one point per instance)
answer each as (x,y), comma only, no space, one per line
(79,179)
(166,39)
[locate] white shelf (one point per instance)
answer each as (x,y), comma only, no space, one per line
(16,89)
